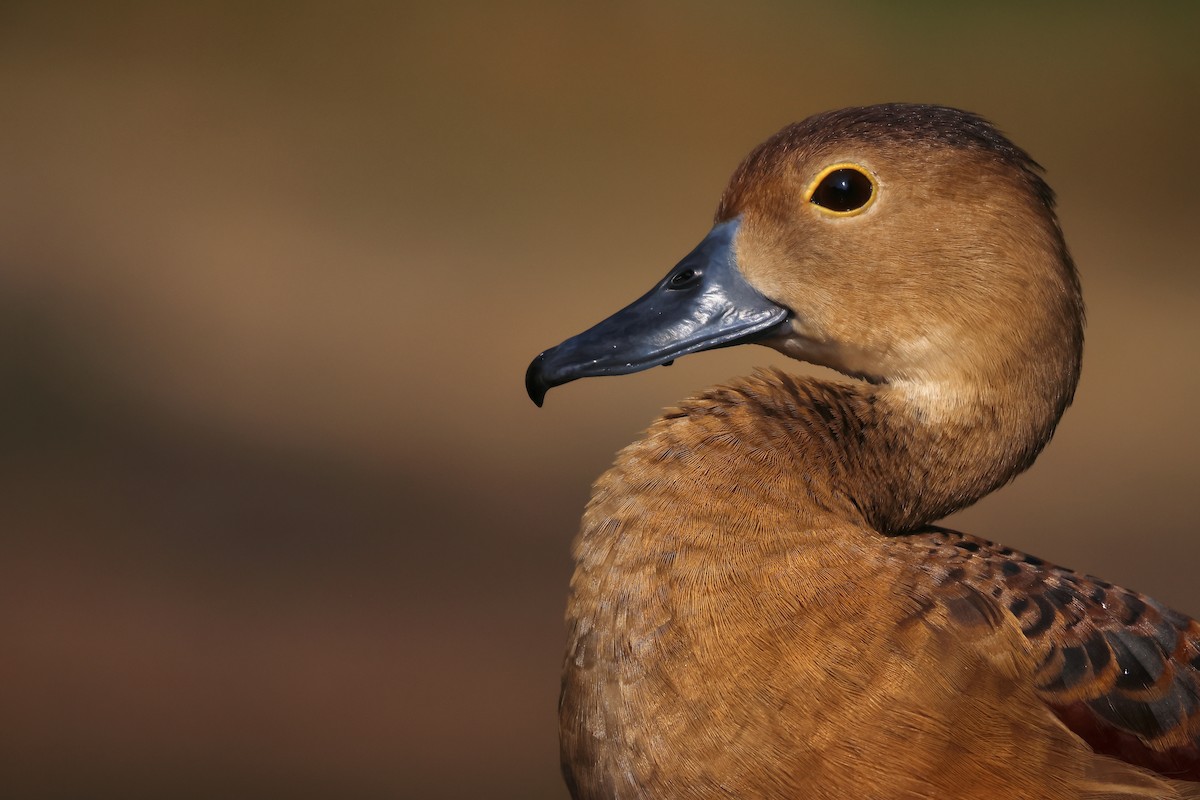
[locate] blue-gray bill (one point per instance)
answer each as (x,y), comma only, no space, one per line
(702,304)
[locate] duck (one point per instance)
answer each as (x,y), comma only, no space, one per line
(761,604)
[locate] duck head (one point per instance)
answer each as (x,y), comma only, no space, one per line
(907,245)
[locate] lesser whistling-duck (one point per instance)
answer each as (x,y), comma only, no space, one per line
(759,607)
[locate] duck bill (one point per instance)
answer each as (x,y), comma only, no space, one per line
(702,304)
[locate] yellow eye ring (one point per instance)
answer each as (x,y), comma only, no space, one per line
(843,190)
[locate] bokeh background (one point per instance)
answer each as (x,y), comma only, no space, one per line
(276,517)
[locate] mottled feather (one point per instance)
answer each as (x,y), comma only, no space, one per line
(1120,669)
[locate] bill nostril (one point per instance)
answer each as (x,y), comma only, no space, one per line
(683,279)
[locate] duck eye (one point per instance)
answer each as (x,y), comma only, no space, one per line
(843,189)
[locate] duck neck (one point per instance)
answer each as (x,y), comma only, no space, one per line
(939,447)
(893,456)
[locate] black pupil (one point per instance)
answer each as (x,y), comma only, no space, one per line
(843,190)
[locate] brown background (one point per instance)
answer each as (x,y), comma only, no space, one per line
(276,516)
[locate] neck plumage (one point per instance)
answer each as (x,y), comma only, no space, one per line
(888,457)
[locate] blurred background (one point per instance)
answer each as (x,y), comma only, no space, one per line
(276,517)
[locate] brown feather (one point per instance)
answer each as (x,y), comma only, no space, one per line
(1119,668)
